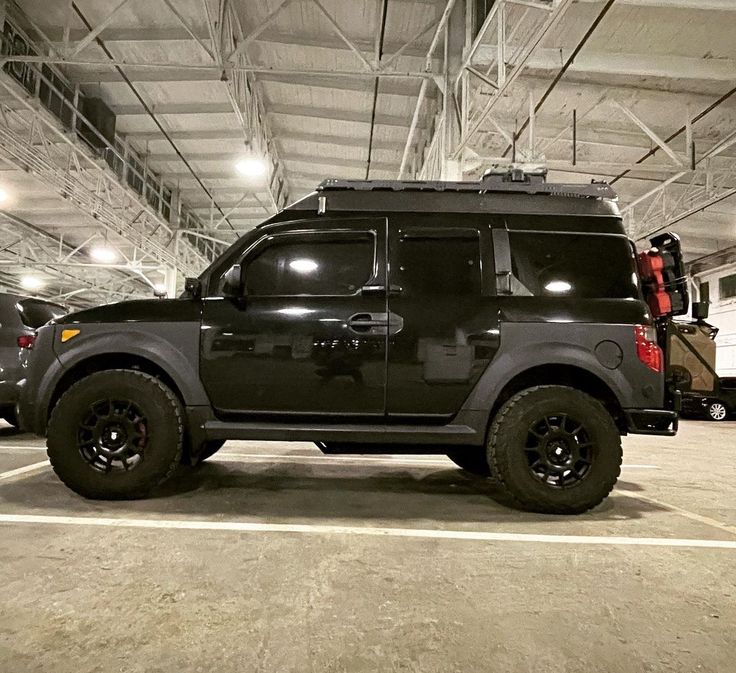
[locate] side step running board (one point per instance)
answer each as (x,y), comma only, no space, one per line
(344,432)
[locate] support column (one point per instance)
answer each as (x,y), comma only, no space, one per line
(455,31)
(170,281)
(175,207)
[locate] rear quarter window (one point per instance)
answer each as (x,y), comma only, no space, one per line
(35,313)
(572,265)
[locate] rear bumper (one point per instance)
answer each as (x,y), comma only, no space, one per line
(655,421)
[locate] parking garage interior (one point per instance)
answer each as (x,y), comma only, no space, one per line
(140,140)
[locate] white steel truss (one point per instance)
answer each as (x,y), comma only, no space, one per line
(64,271)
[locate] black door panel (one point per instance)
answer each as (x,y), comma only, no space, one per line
(302,352)
(450,325)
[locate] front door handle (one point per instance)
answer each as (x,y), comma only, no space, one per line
(368,323)
(375,323)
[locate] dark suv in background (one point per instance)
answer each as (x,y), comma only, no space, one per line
(507,323)
(19,318)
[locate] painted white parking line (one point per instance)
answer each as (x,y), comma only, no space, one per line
(26,469)
(20,447)
(312,529)
(708,521)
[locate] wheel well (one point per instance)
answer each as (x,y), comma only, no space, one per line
(564,375)
(107,361)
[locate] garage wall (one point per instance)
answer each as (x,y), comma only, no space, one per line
(721,289)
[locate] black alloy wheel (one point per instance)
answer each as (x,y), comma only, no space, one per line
(112,435)
(559,450)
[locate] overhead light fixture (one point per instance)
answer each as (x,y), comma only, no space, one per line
(159,289)
(303,265)
(558,286)
(103,254)
(4,195)
(31,282)
(251,167)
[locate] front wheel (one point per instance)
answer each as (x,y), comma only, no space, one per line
(115,435)
(555,450)
(717,411)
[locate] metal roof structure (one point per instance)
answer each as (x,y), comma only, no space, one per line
(639,93)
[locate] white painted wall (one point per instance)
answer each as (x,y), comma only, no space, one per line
(723,316)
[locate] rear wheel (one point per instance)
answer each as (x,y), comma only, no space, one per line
(115,435)
(554,449)
(717,411)
(471,459)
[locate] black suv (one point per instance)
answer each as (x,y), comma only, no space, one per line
(500,322)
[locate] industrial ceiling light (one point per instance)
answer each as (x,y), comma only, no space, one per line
(558,287)
(4,195)
(251,167)
(103,254)
(31,283)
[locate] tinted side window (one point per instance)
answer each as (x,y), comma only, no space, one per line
(312,264)
(572,265)
(438,264)
(35,313)
(727,286)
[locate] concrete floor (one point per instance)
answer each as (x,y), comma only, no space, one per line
(273,558)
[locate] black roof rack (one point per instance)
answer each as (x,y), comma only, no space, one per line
(514,180)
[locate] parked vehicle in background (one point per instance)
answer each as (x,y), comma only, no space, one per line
(719,406)
(20,317)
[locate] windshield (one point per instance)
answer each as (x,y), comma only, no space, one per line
(35,312)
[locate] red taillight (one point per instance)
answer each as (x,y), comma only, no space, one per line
(647,348)
(26,340)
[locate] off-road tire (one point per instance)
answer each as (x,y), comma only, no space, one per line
(163,446)
(511,473)
(471,459)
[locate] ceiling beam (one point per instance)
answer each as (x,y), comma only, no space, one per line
(668,66)
(334,114)
(705,5)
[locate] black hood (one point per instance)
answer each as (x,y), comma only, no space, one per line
(138,310)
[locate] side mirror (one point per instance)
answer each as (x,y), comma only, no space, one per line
(231,283)
(193,287)
(700,310)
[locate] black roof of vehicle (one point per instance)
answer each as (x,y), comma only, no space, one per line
(513,192)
